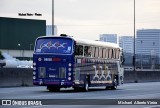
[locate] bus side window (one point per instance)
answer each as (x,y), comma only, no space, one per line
(117,53)
(79,50)
(100,52)
(114,53)
(87,51)
(97,52)
(109,53)
(93,51)
(104,53)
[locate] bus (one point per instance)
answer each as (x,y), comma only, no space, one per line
(65,61)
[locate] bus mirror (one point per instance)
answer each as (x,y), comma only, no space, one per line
(122,60)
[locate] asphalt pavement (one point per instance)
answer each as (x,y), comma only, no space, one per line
(130,91)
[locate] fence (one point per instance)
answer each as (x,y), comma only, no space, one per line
(142,61)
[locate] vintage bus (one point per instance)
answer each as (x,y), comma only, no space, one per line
(63,61)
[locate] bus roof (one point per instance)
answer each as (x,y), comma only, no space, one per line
(88,42)
(95,43)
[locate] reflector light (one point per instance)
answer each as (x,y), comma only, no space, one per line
(34,77)
(34,73)
(69,64)
(34,64)
(69,78)
(39,59)
(69,69)
(69,74)
(34,68)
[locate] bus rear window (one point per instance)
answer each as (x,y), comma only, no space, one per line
(54,45)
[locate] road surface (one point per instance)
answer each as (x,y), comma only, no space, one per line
(142,91)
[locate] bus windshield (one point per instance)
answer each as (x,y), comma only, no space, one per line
(54,45)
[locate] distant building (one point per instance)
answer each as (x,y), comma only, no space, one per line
(148,42)
(17,36)
(148,46)
(126,43)
(109,38)
(49,30)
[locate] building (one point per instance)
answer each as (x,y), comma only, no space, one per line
(148,47)
(17,36)
(109,38)
(126,43)
(49,30)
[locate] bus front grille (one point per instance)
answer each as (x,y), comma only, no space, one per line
(62,72)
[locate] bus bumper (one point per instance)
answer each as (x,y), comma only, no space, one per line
(53,83)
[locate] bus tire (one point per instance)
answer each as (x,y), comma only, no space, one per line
(86,85)
(107,87)
(114,87)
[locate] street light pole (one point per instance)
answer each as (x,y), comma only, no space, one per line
(134,55)
(52,17)
(20,49)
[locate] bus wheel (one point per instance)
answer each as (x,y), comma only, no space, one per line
(86,85)
(114,87)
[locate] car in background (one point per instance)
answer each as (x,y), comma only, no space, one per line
(2,63)
(22,66)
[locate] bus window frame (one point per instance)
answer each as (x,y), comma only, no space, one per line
(87,52)
(110,53)
(79,55)
(97,52)
(107,53)
(117,53)
(103,52)
(43,37)
(100,55)
(93,51)
(113,53)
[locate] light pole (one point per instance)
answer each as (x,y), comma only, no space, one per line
(52,17)
(134,55)
(21,54)
(19,48)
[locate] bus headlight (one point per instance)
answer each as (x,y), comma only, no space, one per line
(69,64)
(69,69)
(34,73)
(34,68)
(69,78)
(69,74)
(34,64)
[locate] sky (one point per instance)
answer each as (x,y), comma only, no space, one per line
(88,18)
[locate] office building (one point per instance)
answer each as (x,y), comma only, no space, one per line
(49,30)
(109,38)
(126,43)
(148,47)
